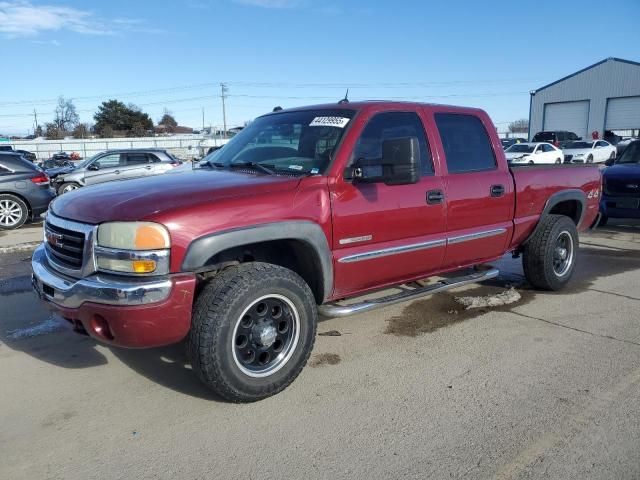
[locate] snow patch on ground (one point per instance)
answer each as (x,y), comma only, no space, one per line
(22,247)
(50,325)
(496,300)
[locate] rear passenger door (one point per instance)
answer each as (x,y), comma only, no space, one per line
(479,191)
(136,165)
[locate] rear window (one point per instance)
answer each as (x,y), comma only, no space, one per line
(544,137)
(17,163)
(466,143)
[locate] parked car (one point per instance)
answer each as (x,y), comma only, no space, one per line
(611,137)
(533,154)
(114,165)
(28,155)
(6,148)
(558,138)
(507,142)
(623,144)
(24,191)
(589,151)
(241,254)
(621,186)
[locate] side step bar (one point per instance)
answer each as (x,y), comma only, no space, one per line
(337,310)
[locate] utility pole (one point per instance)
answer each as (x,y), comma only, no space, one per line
(223,92)
(35,121)
(202,120)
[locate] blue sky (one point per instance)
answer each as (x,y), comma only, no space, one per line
(173,55)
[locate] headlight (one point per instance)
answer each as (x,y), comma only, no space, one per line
(579,155)
(133,248)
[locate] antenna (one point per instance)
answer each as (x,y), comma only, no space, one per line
(345,99)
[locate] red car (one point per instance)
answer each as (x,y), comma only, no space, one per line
(302,209)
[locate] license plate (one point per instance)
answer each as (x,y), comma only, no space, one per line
(628,203)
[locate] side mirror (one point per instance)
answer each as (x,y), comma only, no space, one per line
(94,167)
(610,161)
(400,164)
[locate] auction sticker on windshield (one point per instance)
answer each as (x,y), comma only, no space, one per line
(339,122)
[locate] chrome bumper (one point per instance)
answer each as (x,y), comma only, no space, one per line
(70,292)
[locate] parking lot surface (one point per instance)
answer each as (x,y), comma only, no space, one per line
(546,387)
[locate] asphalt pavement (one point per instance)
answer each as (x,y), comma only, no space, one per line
(545,387)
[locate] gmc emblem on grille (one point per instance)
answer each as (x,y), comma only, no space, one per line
(54,238)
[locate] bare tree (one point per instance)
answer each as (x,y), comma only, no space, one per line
(66,118)
(519,126)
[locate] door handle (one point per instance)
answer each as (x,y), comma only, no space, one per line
(117,172)
(435,197)
(497,190)
(148,167)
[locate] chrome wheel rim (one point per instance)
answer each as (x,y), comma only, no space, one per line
(68,188)
(10,213)
(563,254)
(265,335)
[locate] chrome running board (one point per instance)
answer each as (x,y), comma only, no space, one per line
(337,310)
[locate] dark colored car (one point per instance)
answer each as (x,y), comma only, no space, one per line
(24,191)
(6,148)
(507,142)
(558,138)
(621,186)
(28,155)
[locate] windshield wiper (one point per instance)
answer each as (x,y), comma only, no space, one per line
(257,165)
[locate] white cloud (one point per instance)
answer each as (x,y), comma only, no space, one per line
(21,18)
(271,3)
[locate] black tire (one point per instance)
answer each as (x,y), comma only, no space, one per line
(220,312)
(558,161)
(14,212)
(590,159)
(543,253)
(612,156)
(67,187)
(603,220)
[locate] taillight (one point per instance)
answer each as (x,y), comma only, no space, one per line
(175,164)
(40,179)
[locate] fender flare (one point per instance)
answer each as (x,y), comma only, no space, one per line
(310,233)
(574,194)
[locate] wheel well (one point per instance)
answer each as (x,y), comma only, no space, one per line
(569,208)
(296,255)
(26,202)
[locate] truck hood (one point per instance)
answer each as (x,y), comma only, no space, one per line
(130,200)
(623,171)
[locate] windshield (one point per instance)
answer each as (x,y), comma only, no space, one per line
(579,145)
(631,154)
(520,148)
(294,142)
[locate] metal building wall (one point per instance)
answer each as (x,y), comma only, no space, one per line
(609,79)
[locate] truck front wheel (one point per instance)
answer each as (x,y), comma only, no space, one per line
(252,331)
(550,255)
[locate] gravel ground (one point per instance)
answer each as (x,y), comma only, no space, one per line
(545,387)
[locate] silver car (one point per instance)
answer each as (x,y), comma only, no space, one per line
(115,165)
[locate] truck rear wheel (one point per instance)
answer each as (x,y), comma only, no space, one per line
(252,332)
(550,255)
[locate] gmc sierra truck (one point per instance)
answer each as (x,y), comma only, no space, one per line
(301,214)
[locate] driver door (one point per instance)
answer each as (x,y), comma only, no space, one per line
(104,169)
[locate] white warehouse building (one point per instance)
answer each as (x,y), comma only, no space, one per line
(599,98)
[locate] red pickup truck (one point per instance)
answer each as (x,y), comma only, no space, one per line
(302,213)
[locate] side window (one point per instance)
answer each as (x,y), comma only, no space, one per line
(390,125)
(547,148)
(137,158)
(111,160)
(603,144)
(466,143)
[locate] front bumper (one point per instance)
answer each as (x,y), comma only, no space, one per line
(122,311)
(620,207)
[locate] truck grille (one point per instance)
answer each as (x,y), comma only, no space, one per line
(65,246)
(68,245)
(622,188)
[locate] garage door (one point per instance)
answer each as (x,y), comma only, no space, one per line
(623,113)
(569,116)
